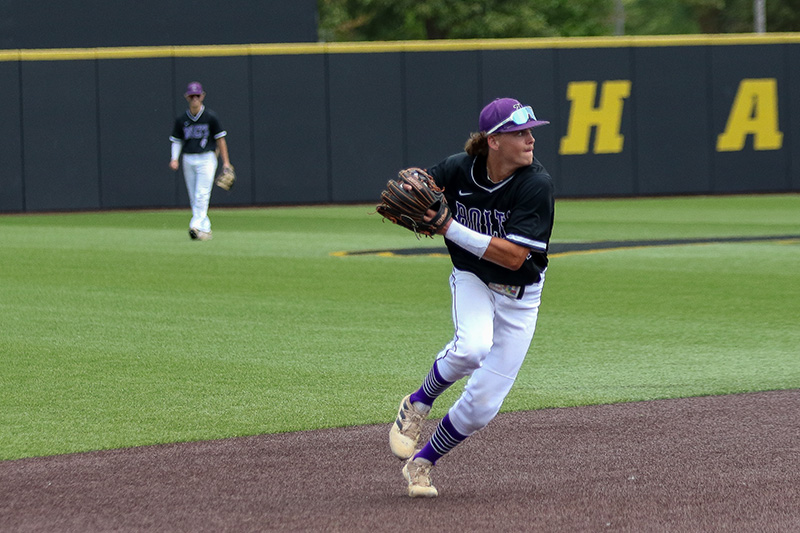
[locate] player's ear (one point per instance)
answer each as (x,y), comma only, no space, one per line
(493,141)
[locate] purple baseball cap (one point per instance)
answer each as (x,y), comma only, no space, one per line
(497,117)
(193,88)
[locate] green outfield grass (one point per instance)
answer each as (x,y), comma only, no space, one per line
(119,331)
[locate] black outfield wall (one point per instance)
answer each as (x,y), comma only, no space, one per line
(319,123)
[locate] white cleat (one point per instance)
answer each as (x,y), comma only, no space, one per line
(418,476)
(406,429)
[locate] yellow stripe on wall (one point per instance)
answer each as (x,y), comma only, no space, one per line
(63,54)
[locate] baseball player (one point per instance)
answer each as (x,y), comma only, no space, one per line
(196,139)
(502,203)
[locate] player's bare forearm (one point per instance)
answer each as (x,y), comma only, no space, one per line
(506,253)
(222,144)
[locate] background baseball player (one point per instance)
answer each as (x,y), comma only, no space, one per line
(502,203)
(196,139)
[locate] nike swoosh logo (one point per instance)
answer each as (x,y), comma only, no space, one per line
(464,193)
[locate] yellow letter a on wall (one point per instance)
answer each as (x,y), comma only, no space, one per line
(606,117)
(754,112)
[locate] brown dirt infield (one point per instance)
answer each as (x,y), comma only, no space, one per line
(724,463)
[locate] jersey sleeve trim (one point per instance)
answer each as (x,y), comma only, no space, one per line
(526,242)
(220,135)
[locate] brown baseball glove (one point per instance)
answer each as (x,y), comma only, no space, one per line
(226,178)
(406,200)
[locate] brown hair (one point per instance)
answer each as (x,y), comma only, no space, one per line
(477,144)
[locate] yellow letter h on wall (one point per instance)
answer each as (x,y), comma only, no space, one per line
(606,117)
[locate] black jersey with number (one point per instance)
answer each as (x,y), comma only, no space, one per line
(198,133)
(519,209)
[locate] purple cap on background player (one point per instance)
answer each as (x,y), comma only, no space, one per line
(194,88)
(500,112)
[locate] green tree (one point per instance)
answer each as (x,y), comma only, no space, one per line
(659,17)
(783,15)
(387,20)
(376,20)
(662,17)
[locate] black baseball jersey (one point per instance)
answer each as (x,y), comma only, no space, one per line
(519,209)
(198,133)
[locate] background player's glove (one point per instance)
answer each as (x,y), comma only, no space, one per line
(407,198)
(226,178)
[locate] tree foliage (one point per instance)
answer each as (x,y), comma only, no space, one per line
(388,20)
(651,17)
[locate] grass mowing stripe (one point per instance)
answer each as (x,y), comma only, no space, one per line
(119,331)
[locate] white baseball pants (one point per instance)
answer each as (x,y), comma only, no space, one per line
(492,335)
(199,171)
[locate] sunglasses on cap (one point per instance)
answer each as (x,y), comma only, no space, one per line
(518,117)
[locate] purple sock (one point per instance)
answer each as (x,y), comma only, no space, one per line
(444,439)
(432,387)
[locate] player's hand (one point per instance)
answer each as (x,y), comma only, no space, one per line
(173,164)
(430,214)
